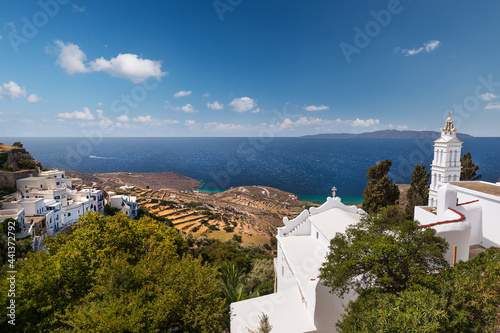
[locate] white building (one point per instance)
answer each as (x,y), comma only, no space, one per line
(126,204)
(32,206)
(77,203)
(16,214)
(97,197)
(465,213)
(446,164)
(55,189)
(301,302)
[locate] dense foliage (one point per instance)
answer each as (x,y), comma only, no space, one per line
(116,275)
(26,164)
(465,298)
(380,191)
(384,251)
(469,168)
(418,193)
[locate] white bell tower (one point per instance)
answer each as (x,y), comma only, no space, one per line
(446,165)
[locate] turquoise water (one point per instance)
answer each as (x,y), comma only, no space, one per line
(346,200)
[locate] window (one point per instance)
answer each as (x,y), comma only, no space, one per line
(317,235)
(69,214)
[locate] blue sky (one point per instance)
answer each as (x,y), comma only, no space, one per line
(246,68)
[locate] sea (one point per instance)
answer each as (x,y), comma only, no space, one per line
(308,168)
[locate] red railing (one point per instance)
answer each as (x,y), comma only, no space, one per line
(462,218)
(468,202)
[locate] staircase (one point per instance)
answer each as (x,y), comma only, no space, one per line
(296,228)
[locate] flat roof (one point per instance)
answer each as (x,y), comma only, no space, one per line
(9,212)
(34,178)
(285,309)
(482,187)
(305,256)
(334,220)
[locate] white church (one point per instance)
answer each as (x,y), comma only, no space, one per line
(464,213)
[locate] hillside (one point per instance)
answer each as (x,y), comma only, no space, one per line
(15,163)
(154,180)
(385,134)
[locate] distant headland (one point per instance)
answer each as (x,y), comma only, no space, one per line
(384,134)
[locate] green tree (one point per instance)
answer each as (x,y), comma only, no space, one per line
(380,190)
(262,271)
(110,211)
(9,222)
(469,168)
(467,299)
(264,326)
(418,193)
(233,284)
(114,274)
(384,251)
(26,164)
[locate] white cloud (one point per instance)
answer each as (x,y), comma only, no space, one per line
(243,104)
(70,57)
(123,118)
(402,127)
(129,66)
(77,9)
(12,90)
(182,93)
(33,98)
(488,96)
(206,95)
(256,110)
(427,47)
(100,104)
(192,125)
(188,108)
(316,108)
(126,66)
(215,106)
(493,106)
(287,123)
(364,123)
(85,115)
(150,121)
(432,45)
(215,126)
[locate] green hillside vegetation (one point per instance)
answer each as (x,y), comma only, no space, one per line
(113,274)
(465,298)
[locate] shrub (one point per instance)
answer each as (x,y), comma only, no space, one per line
(3,158)
(194,204)
(6,191)
(7,167)
(26,164)
(237,238)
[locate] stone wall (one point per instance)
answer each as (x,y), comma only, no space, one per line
(8,179)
